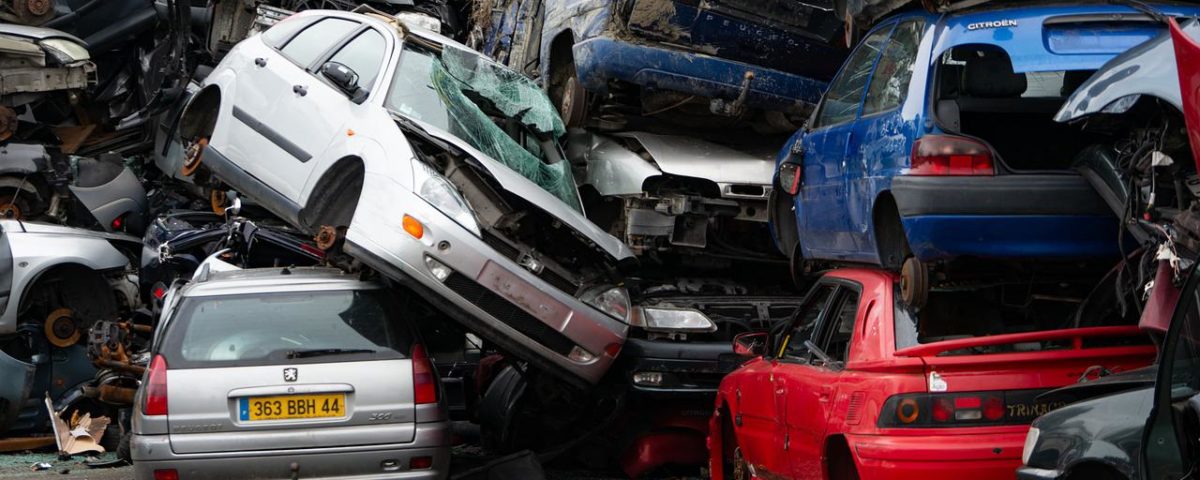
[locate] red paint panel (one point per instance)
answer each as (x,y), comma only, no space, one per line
(1187,61)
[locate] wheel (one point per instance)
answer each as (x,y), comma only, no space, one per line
(800,269)
(123,447)
(914,282)
(193,156)
(32,12)
(841,462)
(736,467)
(573,105)
(13,206)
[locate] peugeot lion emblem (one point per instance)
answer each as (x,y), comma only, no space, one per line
(290,374)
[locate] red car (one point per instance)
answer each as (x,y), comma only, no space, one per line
(863,386)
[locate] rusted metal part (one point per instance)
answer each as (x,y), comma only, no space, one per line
(117,394)
(9,209)
(61,328)
(32,12)
(218,200)
(8,122)
(329,237)
(193,157)
(73,137)
(124,367)
(19,444)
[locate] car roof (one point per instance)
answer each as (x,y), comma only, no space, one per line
(276,280)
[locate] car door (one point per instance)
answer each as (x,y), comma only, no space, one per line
(882,137)
(276,74)
(806,385)
(823,195)
(760,417)
(315,109)
(1172,426)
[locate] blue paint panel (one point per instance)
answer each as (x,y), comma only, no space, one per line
(244,409)
(600,59)
(941,237)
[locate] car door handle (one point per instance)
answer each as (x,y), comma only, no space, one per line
(262,62)
(300,90)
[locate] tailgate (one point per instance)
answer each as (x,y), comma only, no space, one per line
(314,405)
(1030,364)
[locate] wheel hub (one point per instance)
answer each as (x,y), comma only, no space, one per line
(192,156)
(61,329)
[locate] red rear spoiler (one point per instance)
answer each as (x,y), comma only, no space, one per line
(1187,62)
(1076,335)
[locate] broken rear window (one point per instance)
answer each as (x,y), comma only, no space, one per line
(496,110)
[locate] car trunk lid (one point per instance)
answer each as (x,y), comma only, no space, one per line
(325,409)
(1015,368)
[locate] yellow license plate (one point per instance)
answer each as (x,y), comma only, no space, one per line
(290,407)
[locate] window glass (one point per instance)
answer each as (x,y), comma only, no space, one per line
(364,55)
(282,31)
(272,327)
(1185,363)
(792,344)
(306,47)
(889,83)
(845,94)
(841,326)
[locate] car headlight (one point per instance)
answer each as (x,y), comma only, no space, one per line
(1031,439)
(66,51)
(613,301)
(670,319)
(432,187)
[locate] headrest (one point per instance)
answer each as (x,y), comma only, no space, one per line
(990,75)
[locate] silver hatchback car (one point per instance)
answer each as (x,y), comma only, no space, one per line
(288,373)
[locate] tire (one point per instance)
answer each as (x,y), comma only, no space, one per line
(841,463)
(123,448)
(799,269)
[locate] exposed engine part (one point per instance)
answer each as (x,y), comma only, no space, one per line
(61,328)
(329,236)
(28,12)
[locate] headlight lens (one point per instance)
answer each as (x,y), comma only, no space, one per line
(1031,439)
(442,195)
(613,301)
(66,51)
(670,319)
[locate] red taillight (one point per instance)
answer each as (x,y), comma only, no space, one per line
(943,410)
(156,391)
(424,381)
(957,409)
(993,408)
(118,222)
(170,474)
(950,155)
(420,463)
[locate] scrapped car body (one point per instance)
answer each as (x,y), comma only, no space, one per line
(666,193)
(278,372)
(54,281)
(863,385)
(613,60)
(900,160)
(35,62)
(430,191)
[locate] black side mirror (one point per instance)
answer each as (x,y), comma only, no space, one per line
(345,78)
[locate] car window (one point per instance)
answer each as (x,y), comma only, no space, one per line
(309,44)
(845,94)
(889,83)
(268,328)
(840,328)
(792,344)
(364,55)
(278,34)
(1185,362)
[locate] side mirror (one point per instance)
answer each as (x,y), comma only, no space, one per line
(750,344)
(344,77)
(789,177)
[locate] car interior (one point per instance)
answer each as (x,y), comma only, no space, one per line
(979,95)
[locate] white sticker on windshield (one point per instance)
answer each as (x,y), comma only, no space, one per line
(936,384)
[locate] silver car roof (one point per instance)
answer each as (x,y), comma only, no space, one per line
(275,280)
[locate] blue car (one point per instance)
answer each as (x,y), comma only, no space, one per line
(936,141)
(608,60)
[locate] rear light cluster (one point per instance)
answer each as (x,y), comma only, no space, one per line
(424,381)
(155,400)
(936,155)
(950,410)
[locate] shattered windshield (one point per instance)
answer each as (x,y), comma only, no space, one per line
(471,97)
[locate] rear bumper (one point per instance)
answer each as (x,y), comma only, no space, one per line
(978,457)
(600,59)
(1004,216)
(153,452)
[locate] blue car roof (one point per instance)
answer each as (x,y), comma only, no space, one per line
(1049,37)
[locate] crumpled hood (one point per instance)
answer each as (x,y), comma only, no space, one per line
(1147,69)
(522,187)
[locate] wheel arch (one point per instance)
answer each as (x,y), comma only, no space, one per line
(334,198)
(887,232)
(199,117)
(836,452)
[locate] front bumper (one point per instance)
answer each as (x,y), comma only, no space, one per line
(153,452)
(488,293)
(601,59)
(974,456)
(1004,216)
(694,368)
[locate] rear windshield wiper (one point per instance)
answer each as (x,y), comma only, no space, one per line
(321,352)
